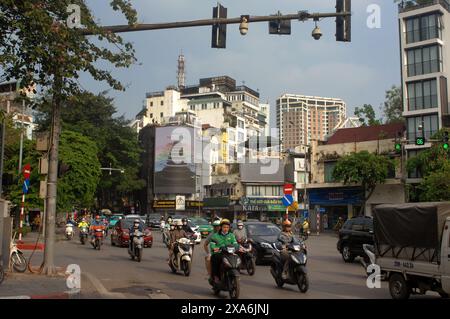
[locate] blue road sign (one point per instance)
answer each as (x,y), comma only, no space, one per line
(305,214)
(26,186)
(287,200)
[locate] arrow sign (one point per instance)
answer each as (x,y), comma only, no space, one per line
(26,186)
(26,171)
(287,200)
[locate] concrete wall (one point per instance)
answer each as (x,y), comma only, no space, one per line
(386,194)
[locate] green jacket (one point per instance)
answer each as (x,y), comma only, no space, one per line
(218,240)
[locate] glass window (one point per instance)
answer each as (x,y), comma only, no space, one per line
(329,168)
(422,28)
(422,95)
(424,60)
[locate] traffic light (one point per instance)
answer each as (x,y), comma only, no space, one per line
(446,145)
(343,23)
(219,31)
(420,141)
(398,147)
(280,27)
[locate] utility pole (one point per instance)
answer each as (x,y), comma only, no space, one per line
(21,137)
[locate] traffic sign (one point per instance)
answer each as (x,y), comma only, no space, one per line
(26,171)
(287,200)
(26,186)
(288,189)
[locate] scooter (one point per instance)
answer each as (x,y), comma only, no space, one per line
(162,225)
(83,235)
(229,273)
(182,259)
(166,237)
(69,231)
(18,261)
(98,238)
(297,274)
(137,246)
(247,257)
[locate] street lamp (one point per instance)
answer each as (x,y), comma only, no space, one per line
(110,169)
(243,27)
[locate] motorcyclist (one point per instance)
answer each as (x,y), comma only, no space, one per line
(216,229)
(169,221)
(97,223)
(305,226)
(186,226)
(219,240)
(137,225)
(83,223)
(285,238)
(240,232)
(176,234)
(339,224)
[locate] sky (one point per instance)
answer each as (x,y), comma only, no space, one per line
(358,72)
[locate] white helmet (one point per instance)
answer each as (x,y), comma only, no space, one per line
(179,223)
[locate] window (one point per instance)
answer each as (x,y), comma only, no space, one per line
(424,60)
(151,103)
(423,28)
(329,168)
(348,224)
(430,126)
(422,95)
(162,103)
(151,115)
(161,114)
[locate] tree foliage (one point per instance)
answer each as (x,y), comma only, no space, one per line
(362,168)
(366,115)
(393,106)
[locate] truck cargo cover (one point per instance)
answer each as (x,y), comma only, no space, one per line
(410,225)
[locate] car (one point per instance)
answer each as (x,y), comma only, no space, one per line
(354,233)
(135,216)
(120,234)
(262,236)
(154,221)
(204,227)
(198,236)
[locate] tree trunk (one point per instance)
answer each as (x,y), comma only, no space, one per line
(50,220)
(366,198)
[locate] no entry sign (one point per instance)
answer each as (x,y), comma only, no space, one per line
(288,189)
(26,171)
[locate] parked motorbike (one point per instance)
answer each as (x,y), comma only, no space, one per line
(247,257)
(297,274)
(136,246)
(69,231)
(181,259)
(229,273)
(98,237)
(83,235)
(17,258)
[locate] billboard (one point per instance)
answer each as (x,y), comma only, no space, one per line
(174,160)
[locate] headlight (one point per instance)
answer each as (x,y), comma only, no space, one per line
(265,245)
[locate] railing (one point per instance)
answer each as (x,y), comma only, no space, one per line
(409,5)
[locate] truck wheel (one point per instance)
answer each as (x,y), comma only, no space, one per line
(444,295)
(347,254)
(398,287)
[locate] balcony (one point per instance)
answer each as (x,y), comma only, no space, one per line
(410,5)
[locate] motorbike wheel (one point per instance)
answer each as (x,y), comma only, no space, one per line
(82,240)
(172,267)
(216,291)
(302,282)
(2,274)
(278,280)
(186,265)
(139,254)
(19,262)
(234,287)
(251,266)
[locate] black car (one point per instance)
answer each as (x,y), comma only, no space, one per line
(263,235)
(154,221)
(353,234)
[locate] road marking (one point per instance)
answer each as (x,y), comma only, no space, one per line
(158,296)
(101,289)
(16,297)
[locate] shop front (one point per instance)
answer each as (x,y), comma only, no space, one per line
(263,209)
(189,208)
(332,203)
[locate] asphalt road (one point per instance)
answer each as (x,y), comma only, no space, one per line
(114,274)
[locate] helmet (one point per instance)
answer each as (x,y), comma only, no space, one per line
(225,222)
(179,223)
(216,223)
(240,223)
(97,217)
(184,220)
(287,223)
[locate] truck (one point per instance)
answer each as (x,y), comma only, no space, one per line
(412,247)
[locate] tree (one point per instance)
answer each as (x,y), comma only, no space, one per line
(393,105)
(39,48)
(366,115)
(362,168)
(434,166)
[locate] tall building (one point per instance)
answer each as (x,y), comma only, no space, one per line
(425,57)
(301,119)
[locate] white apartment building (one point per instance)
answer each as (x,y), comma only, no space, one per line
(425,58)
(302,118)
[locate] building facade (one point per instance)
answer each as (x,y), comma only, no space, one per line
(301,119)
(425,57)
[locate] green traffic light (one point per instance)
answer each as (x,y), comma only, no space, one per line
(420,141)
(398,147)
(445,146)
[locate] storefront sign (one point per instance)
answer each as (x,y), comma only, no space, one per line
(190,204)
(335,196)
(262,204)
(165,204)
(180,202)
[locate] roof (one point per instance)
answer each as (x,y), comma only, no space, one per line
(366,133)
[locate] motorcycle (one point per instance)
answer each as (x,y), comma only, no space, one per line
(304,234)
(98,237)
(166,237)
(182,259)
(162,225)
(228,273)
(136,246)
(69,231)
(247,257)
(83,235)
(297,274)
(19,263)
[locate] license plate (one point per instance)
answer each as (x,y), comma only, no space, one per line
(205,233)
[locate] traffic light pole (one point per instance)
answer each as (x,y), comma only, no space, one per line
(301,16)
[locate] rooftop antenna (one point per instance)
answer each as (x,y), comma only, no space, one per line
(181,76)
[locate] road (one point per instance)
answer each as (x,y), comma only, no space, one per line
(115,275)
